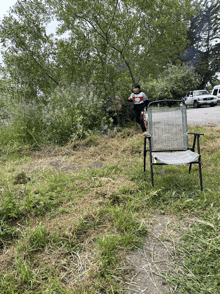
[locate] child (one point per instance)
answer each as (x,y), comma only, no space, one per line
(140,101)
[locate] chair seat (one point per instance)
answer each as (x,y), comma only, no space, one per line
(177,158)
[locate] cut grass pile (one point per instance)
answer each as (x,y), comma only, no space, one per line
(70,215)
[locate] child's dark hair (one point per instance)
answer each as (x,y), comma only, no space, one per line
(136,85)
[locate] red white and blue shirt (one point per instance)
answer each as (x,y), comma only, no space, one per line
(138,98)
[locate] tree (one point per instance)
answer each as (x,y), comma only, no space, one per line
(29,51)
(109,42)
(128,39)
(173,83)
(204,33)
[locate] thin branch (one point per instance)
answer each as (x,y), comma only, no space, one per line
(113,17)
(98,29)
(32,54)
(36,61)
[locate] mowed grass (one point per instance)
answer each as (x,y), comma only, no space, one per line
(70,215)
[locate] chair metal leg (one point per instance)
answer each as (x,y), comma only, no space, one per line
(200,173)
(144,160)
(190,166)
(145,154)
(151,164)
(152,175)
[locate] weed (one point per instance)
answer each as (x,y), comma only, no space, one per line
(125,222)
(10,206)
(7,231)
(36,240)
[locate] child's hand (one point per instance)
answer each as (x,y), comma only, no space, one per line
(130,98)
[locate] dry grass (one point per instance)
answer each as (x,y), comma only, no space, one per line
(95,180)
(92,194)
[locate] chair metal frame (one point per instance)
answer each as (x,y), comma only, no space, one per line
(152,151)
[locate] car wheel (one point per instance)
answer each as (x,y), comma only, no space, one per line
(212,105)
(195,104)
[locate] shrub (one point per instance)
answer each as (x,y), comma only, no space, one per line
(173,83)
(70,113)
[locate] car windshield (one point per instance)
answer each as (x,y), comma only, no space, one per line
(201,92)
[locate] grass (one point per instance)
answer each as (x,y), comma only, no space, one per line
(67,227)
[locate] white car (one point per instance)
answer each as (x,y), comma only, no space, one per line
(216,92)
(200,97)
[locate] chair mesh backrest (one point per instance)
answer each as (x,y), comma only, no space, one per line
(168,128)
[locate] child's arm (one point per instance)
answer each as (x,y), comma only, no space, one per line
(130,98)
(146,101)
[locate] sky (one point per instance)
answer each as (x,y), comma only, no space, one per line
(5,5)
(4,8)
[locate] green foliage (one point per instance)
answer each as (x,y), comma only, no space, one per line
(109,47)
(25,273)
(71,113)
(6,231)
(28,59)
(126,235)
(14,207)
(9,206)
(199,255)
(27,280)
(108,212)
(173,83)
(36,240)
(109,246)
(176,192)
(126,223)
(126,44)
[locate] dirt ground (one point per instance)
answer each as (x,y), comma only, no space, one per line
(154,259)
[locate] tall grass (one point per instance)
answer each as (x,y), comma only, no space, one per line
(70,113)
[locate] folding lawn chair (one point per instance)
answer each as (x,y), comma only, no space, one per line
(168,137)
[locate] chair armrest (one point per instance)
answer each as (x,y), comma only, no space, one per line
(196,138)
(196,134)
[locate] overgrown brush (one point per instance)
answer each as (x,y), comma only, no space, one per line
(70,113)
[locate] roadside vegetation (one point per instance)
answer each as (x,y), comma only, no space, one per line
(70,215)
(75,204)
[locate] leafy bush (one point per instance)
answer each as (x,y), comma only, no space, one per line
(70,113)
(173,83)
